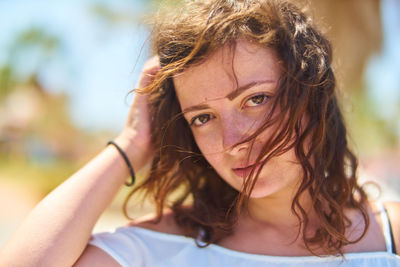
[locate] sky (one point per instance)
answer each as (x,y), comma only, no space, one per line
(98,63)
(383,72)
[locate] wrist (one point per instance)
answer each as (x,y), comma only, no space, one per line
(127,162)
(134,150)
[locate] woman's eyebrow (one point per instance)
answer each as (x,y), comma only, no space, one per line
(232,95)
(195,107)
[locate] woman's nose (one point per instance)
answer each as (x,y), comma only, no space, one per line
(235,130)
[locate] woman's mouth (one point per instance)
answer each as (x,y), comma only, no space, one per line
(245,172)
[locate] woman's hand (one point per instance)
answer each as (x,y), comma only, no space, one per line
(135,139)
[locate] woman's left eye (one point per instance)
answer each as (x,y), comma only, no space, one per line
(256,100)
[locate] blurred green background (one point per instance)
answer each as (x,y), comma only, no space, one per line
(66,68)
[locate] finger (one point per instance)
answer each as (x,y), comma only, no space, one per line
(152,63)
(152,66)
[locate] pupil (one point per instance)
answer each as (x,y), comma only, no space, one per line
(203,118)
(258,99)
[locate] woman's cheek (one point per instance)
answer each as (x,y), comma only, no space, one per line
(208,144)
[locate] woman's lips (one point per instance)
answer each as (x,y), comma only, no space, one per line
(245,172)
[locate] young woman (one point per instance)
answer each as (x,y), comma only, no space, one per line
(238,116)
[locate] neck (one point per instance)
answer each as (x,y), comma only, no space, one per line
(275,212)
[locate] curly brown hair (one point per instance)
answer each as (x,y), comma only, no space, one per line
(189,34)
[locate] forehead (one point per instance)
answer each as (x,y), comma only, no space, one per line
(224,71)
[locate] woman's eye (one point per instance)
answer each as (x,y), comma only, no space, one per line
(256,100)
(201,119)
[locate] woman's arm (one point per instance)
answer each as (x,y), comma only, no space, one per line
(393,209)
(57,230)
(59,227)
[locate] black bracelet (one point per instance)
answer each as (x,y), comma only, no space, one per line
(127,162)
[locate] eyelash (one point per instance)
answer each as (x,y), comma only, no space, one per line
(193,120)
(209,116)
(265,97)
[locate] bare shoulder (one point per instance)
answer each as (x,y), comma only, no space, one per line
(393,210)
(167,223)
(94,256)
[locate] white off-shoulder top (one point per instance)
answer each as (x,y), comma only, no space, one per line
(139,247)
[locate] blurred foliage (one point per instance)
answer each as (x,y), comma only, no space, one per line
(111,15)
(368,132)
(170,3)
(41,178)
(5,80)
(35,36)
(45,45)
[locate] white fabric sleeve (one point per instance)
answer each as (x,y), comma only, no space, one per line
(121,245)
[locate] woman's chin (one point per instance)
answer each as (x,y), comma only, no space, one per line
(261,193)
(262,190)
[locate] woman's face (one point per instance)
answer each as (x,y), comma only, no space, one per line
(223,111)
